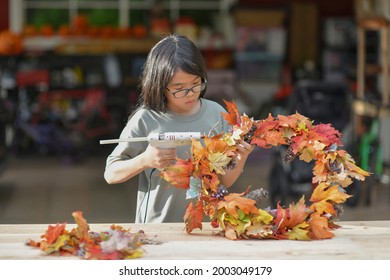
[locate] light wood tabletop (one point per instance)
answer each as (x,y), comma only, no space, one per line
(354,240)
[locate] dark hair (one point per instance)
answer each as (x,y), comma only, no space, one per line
(166,57)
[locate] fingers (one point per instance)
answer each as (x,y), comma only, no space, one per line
(244,147)
(161,158)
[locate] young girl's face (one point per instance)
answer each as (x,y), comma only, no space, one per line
(180,98)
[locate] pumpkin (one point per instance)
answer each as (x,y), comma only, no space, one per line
(10,43)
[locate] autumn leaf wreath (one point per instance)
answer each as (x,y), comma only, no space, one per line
(236,213)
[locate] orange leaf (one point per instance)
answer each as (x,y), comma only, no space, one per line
(179,174)
(235,201)
(194,216)
(294,121)
(297,213)
(325,196)
(319,228)
(232,116)
(82,225)
(246,124)
(53,232)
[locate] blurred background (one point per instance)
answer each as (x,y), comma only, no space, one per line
(69,75)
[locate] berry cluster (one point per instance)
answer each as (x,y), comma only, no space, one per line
(221,193)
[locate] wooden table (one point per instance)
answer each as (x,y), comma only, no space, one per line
(357,240)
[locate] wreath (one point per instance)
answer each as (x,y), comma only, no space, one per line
(237,214)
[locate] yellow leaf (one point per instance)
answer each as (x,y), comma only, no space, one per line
(56,246)
(299,232)
(307,154)
(218,161)
(263,216)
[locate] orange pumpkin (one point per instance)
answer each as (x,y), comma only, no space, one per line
(47,30)
(140,31)
(64,30)
(30,30)
(10,43)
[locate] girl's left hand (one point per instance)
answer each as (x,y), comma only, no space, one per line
(244,149)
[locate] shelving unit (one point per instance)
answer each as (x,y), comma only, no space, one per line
(362,106)
(380,25)
(18,8)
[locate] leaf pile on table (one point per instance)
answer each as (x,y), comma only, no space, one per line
(113,244)
(237,214)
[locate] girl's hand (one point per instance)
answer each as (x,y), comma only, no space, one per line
(244,149)
(159,158)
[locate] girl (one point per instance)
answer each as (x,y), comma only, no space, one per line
(173,83)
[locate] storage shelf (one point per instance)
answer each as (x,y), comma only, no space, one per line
(85,45)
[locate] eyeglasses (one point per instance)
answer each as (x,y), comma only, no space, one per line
(184,92)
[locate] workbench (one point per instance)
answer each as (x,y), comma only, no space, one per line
(354,240)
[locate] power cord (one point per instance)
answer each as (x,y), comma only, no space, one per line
(148,195)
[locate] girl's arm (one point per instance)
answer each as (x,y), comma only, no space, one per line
(122,170)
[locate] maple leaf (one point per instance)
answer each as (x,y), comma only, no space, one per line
(246,124)
(259,230)
(320,170)
(328,134)
(82,225)
(295,121)
(218,162)
(194,189)
(319,228)
(234,201)
(263,217)
(53,232)
(60,242)
(197,151)
(232,116)
(239,224)
(324,196)
(267,135)
(307,154)
(179,174)
(194,216)
(215,144)
(299,232)
(210,181)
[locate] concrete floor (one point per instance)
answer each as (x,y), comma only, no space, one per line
(48,189)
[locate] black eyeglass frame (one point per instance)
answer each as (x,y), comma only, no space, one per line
(187,90)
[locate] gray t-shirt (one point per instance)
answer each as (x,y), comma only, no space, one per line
(157,201)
